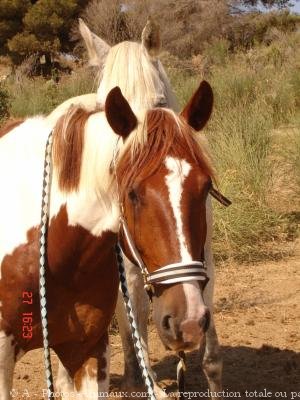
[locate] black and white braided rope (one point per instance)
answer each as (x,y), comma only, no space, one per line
(43,264)
(133,326)
(181,368)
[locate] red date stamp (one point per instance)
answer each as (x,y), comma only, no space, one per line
(27,317)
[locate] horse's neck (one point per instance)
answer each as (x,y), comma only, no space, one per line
(94,205)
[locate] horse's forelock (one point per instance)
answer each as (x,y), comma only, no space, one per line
(165,133)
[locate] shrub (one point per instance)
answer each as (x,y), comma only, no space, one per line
(252,28)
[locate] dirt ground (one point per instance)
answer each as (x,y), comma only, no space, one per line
(258,321)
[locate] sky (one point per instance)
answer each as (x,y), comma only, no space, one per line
(296,7)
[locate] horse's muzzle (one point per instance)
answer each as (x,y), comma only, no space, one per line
(185,335)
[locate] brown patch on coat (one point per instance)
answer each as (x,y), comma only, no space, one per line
(10,125)
(82,286)
(68,144)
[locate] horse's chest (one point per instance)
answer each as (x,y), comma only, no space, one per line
(77,259)
(82,284)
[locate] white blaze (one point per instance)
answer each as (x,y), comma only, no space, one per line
(178,171)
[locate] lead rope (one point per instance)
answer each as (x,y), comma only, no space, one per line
(133,326)
(44,263)
(181,368)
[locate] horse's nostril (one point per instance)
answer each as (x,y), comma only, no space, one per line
(166,322)
(205,321)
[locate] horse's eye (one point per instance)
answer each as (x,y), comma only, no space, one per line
(133,197)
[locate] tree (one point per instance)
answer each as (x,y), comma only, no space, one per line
(40,26)
(110,20)
(11,15)
(185,24)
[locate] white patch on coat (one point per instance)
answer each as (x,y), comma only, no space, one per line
(103,386)
(21,173)
(178,171)
(90,386)
(195,301)
(64,383)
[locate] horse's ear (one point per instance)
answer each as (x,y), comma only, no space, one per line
(151,38)
(199,108)
(97,48)
(119,113)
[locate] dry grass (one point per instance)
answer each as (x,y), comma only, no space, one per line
(39,96)
(256,92)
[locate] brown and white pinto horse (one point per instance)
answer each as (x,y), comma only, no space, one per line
(164,175)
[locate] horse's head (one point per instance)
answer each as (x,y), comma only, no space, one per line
(163,177)
(134,67)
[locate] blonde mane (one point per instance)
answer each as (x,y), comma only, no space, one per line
(141,79)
